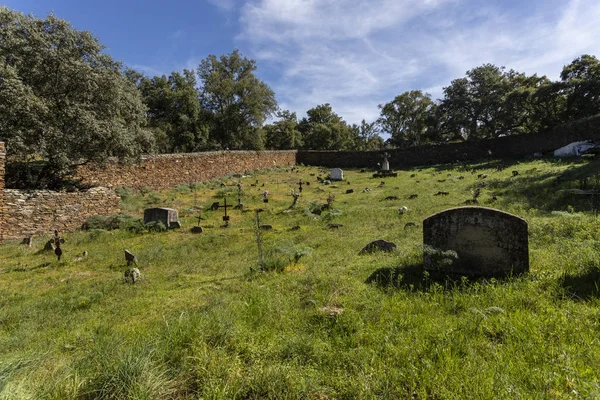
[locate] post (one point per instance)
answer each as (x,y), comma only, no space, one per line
(258,235)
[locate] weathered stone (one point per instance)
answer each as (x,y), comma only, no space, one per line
(336,174)
(197,229)
(130,258)
(266,227)
(28,241)
(349,191)
(168,216)
(488,242)
(49,246)
(132,275)
(378,245)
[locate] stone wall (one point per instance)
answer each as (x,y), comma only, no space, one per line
(2,203)
(34,212)
(168,170)
(505,147)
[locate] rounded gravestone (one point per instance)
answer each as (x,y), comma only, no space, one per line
(488,242)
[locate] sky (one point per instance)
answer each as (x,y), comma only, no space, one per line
(353,54)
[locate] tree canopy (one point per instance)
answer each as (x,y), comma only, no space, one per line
(62,99)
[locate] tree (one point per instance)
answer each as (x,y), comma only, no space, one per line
(325,130)
(62,99)
(367,136)
(582,85)
(283,134)
(237,101)
(488,103)
(407,118)
(174,112)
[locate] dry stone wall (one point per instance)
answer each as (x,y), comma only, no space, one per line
(168,170)
(34,212)
(2,202)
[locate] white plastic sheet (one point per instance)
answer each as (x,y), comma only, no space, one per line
(574,149)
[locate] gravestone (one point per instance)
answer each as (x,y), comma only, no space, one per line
(168,216)
(488,242)
(336,175)
(385,166)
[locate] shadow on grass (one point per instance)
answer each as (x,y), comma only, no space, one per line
(584,286)
(414,278)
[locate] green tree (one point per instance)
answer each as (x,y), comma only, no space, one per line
(581,81)
(237,101)
(408,118)
(325,130)
(367,136)
(174,112)
(62,99)
(489,103)
(283,134)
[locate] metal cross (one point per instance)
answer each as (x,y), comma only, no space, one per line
(225,217)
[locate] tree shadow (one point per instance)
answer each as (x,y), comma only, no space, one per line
(414,278)
(585,286)
(549,191)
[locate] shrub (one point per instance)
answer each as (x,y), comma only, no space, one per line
(113,221)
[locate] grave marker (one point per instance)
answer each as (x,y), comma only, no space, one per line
(488,242)
(168,216)
(336,174)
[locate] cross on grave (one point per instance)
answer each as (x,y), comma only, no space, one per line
(265,196)
(57,250)
(239,185)
(225,217)
(300,183)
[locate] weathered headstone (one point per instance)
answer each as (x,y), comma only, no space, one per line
(168,216)
(336,174)
(132,275)
(130,258)
(385,166)
(488,242)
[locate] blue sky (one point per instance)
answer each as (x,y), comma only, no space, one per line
(354,54)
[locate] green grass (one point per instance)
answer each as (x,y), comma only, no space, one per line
(332,324)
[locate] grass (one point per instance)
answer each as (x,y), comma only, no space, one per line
(331,324)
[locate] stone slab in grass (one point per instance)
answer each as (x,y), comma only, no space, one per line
(488,242)
(168,216)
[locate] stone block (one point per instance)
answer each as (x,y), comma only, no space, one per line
(488,242)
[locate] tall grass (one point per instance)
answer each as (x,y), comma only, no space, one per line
(323,322)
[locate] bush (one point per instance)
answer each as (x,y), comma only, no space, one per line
(114,221)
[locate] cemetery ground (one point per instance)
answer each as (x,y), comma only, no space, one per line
(317,320)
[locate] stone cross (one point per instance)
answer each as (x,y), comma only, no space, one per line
(385,166)
(224,207)
(57,250)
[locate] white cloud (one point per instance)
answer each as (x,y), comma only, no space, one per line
(356,54)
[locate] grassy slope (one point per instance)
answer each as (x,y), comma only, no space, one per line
(200,325)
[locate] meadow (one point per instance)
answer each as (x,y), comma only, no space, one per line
(316,320)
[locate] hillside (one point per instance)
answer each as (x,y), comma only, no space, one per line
(320,321)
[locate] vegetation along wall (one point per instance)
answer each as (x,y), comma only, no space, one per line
(509,146)
(167,170)
(26,213)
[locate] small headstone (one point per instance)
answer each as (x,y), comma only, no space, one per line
(385,166)
(403,210)
(349,191)
(49,246)
(266,227)
(413,196)
(168,216)
(132,276)
(295,228)
(214,206)
(28,241)
(336,174)
(130,258)
(488,242)
(378,245)
(197,229)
